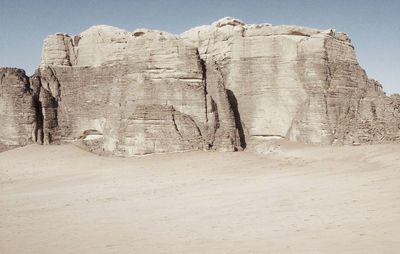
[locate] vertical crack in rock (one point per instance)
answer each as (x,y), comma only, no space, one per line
(46,94)
(37,134)
(66,41)
(223,129)
(214,107)
(173,120)
(75,41)
(239,125)
(204,77)
(50,82)
(71,49)
(213,121)
(49,111)
(211,108)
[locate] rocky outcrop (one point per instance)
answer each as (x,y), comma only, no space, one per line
(225,87)
(17,108)
(46,94)
(298,83)
(113,82)
(28,107)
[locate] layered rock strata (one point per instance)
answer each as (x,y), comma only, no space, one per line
(132,88)
(17,108)
(295,82)
(222,87)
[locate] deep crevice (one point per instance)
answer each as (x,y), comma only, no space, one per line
(215,110)
(204,77)
(45,105)
(39,135)
(234,106)
(176,127)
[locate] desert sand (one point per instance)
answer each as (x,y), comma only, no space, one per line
(297,199)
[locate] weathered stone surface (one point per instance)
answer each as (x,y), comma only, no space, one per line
(115,75)
(17,109)
(294,82)
(224,87)
(46,94)
(159,128)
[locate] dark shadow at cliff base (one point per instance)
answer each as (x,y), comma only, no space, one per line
(234,105)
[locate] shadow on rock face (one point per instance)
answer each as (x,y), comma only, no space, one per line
(234,105)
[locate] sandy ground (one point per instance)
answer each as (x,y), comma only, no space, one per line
(302,199)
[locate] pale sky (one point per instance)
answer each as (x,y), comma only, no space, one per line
(374,26)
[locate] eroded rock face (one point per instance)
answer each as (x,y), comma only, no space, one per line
(221,87)
(298,83)
(118,80)
(17,108)
(46,94)
(28,107)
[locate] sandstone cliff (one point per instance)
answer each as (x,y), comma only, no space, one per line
(225,87)
(134,93)
(17,107)
(295,82)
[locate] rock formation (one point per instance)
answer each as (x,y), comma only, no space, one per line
(295,82)
(221,87)
(17,108)
(130,93)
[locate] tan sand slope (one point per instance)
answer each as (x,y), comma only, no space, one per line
(302,199)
